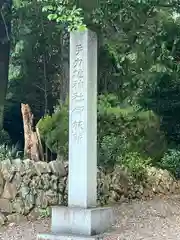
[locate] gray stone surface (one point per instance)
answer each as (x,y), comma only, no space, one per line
(64,237)
(81,221)
(7,170)
(16,218)
(58,168)
(6,205)
(42,167)
(83,120)
(18,166)
(10,191)
(24,193)
(18,206)
(2,219)
(17,180)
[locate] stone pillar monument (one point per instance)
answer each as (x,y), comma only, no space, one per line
(81,219)
(83,120)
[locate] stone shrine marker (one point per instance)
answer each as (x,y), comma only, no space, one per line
(81,219)
(83,120)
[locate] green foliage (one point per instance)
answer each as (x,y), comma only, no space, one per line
(136,164)
(35,60)
(109,149)
(130,129)
(164,100)
(138,63)
(54,131)
(5,35)
(65,12)
(44,213)
(171,162)
(4,138)
(120,130)
(7,152)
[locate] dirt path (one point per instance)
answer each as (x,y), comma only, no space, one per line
(157,219)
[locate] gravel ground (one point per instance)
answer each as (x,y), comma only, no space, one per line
(157,219)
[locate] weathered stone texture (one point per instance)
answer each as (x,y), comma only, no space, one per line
(28,188)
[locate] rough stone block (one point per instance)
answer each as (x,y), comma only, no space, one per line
(17,180)
(34,214)
(46,181)
(18,166)
(79,221)
(7,170)
(58,168)
(24,191)
(5,206)
(30,168)
(2,219)
(18,206)
(29,202)
(10,191)
(42,167)
(41,200)
(52,197)
(16,218)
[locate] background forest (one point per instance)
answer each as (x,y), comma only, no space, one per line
(138,79)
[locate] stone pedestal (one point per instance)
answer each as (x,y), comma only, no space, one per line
(81,219)
(79,223)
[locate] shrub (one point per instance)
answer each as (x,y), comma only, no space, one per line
(171,162)
(54,131)
(4,137)
(136,164)
(7,152)
(163,98)
(120,130)
(135,131)
(109,149)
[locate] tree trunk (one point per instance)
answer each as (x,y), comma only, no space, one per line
(32,145)
(64,81)
(5,30)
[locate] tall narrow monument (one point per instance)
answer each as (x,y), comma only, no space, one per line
(81,219)
(83,120)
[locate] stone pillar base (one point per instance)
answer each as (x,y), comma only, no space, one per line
(52,236)
(71,223)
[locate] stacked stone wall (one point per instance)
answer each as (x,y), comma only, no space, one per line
(28,189)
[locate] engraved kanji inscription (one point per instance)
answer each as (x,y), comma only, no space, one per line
(78,97)
(77,62)
(79,49)
(78,73)
(78,81)
(77,130)
(78,109)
